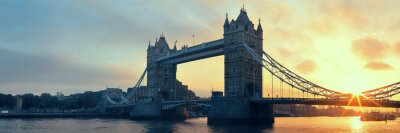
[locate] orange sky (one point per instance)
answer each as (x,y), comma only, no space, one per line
(347,46)
(73,46)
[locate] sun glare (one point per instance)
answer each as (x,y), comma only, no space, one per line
(356,92)
(356,124)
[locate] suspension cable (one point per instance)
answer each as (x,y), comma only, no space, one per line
(292,92)
(254,80)
(288,76)
(272,77)
(281,90)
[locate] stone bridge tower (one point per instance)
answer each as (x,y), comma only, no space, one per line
(243,76)
(161,77)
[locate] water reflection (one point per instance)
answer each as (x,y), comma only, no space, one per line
(356,124)
(159,126)
(197,125)
(200,125)
(240,128)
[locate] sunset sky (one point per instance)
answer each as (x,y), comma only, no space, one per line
(74,46)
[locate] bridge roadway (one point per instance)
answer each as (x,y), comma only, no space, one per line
(120,106)
(172,104)
(325,101)
(166,105)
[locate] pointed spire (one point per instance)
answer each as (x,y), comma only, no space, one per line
(243,9)
(259,28)
(149,45)
(162,35)
(226,20)
(175,45)
(243,18)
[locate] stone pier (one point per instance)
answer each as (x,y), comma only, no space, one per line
(234,110)
(146,110)
(151,110)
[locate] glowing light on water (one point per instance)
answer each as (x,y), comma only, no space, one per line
(356,124)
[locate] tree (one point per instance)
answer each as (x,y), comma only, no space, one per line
(48,101)
(7,101)
(30,101)
(89,99)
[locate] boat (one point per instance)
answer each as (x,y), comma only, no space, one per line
(391,117)
(376,116)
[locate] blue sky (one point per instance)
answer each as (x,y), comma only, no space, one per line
(71,46)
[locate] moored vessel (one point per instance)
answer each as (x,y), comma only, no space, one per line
(376,116)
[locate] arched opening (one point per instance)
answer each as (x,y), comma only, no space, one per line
(202,76)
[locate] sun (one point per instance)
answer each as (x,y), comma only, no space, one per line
(356,92)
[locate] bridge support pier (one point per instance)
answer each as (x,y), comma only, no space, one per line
(151,110)
(178,114)
(146,110)
(234,110)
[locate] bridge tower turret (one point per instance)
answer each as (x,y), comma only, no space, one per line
(260,30)
(243,76)
(226,24)
(161,77)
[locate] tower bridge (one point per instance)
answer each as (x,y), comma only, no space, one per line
(244,60)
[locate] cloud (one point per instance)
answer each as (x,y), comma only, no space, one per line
(275,12)
(284,52)
(397,48)
(307,66)
(21,70)
(377,65)
(370,48)
(346,11)
(394,27)
(322,26)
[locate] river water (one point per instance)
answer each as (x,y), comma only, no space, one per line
(196,125)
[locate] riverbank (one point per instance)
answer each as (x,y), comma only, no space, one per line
(58,115)
(100,115)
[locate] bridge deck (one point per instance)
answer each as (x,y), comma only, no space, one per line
(261,101)
(324,101)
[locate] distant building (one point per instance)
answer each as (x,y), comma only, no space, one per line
(60,96)
(139,93)
(191,95)
(113,93)
(18,105)
(305,110)
(287,109)
(217,94)
(182,92)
